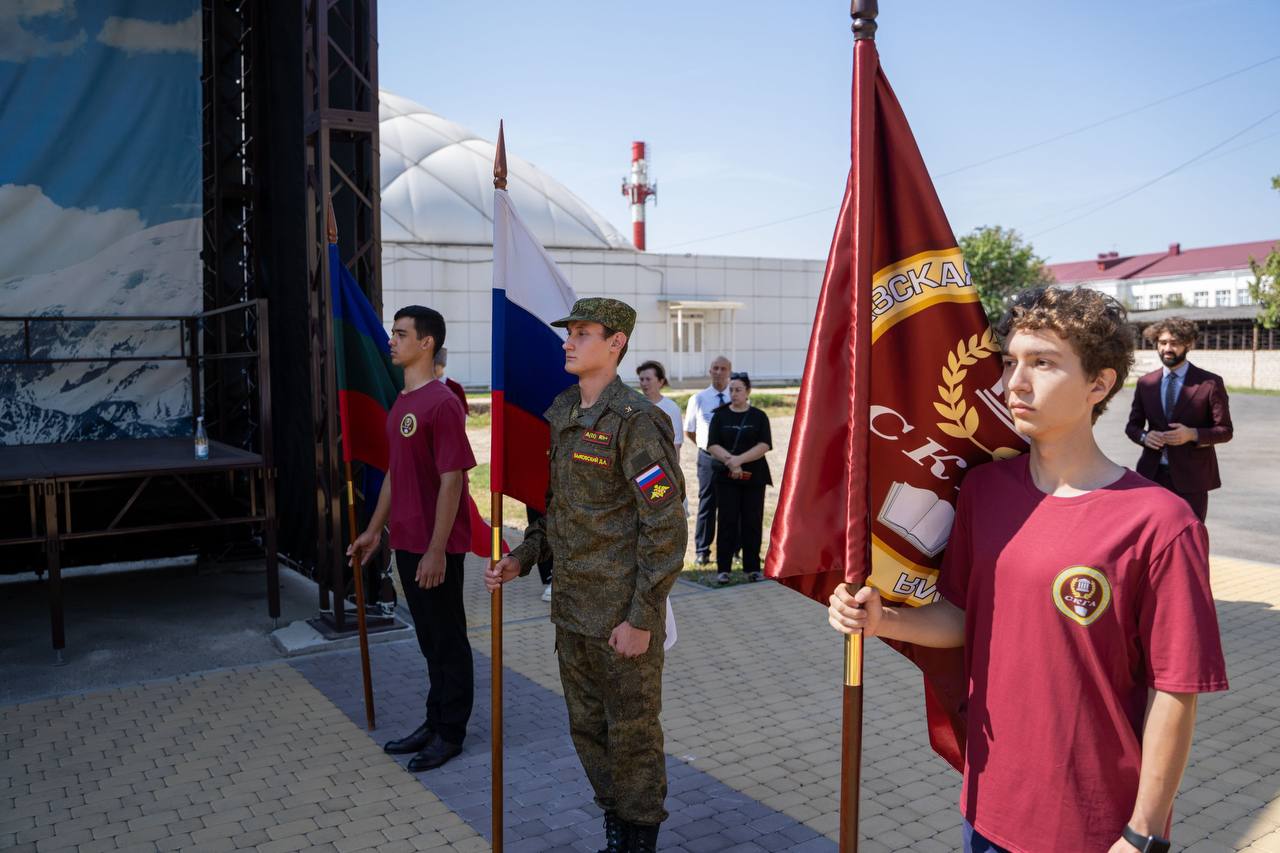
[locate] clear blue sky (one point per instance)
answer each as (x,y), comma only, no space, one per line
(746,107)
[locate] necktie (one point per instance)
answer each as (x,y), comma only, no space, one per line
(720,397)
(1169,396)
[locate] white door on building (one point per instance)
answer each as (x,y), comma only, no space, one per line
(688,344)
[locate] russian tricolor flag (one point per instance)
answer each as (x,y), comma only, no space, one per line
(651,477)
(529,293)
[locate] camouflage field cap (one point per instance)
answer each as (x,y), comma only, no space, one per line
(616,315)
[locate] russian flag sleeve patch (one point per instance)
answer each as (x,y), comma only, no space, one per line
(654,484)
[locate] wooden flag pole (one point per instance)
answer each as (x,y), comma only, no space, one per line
(357,571)
(851,744)
(858,552)
(495,555)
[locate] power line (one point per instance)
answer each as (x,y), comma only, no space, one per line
(1038,220)
(1107,120)
(1002,156)
(1140,187)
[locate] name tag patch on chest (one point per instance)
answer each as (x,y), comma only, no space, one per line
(602,438)
(654,484)
(592,459)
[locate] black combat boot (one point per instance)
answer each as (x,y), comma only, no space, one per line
(644,838)
(616,834)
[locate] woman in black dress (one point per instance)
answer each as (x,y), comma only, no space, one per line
(738,439)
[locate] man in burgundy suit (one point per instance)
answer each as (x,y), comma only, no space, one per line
(1179,413)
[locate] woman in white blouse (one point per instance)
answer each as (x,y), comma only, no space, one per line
(653,378)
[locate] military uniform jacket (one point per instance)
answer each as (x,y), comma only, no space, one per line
(615,521)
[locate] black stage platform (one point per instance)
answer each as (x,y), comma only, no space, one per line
(54,477)
(131,486)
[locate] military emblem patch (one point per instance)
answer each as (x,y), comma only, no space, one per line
(408,425)
(654,484)
(592,459)
(601,438)
(1082,594)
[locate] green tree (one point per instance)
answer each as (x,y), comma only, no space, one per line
(1001,264)
(1175,300)
(1264,290)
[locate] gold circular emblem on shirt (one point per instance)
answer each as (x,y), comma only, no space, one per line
(409,425)
(1082,594)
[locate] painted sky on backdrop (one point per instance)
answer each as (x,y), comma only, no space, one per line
(746,107)
(108,149)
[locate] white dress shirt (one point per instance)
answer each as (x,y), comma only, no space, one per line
(673,411)
(697,415)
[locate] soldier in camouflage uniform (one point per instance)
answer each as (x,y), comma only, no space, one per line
(616,526)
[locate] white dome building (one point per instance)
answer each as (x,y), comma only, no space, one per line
(437,187)
(437,250)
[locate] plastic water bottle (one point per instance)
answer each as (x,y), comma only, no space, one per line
(202,439)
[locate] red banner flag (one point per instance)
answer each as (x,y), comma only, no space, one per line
(933,407)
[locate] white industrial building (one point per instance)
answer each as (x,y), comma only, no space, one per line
(437,250)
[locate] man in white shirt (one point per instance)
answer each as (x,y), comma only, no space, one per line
(697,419)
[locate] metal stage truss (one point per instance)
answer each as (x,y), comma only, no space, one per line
(231,149)
(340,121)
(290,120)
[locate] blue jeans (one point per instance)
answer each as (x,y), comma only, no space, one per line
(975,843)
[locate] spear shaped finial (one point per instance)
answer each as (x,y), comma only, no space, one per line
(864,14)
(500,162)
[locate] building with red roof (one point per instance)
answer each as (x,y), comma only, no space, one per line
(1209,286)
(1208,277)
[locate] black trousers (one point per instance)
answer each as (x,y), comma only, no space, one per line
(544,569)
(704,530)
(1199,501)
(440,621)
(741,523)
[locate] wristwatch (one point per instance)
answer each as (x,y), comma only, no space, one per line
(1145,843)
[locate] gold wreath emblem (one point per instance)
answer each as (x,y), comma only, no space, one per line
(962,419)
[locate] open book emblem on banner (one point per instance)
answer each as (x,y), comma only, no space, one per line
(918,516)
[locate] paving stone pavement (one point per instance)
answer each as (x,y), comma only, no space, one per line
(274,757)
(248,758)
(549,803)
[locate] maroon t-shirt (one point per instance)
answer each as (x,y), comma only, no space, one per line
(427,434)
(1074,607)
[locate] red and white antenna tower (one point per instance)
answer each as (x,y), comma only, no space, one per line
(639,190)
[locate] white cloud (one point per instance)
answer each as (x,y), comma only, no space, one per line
(40,236)
(18,44)
(135,35)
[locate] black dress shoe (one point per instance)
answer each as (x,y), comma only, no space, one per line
(415,742)
(436,753)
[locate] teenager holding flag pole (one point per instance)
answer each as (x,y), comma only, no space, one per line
(605,461)
(1080,593)
(1102,574)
